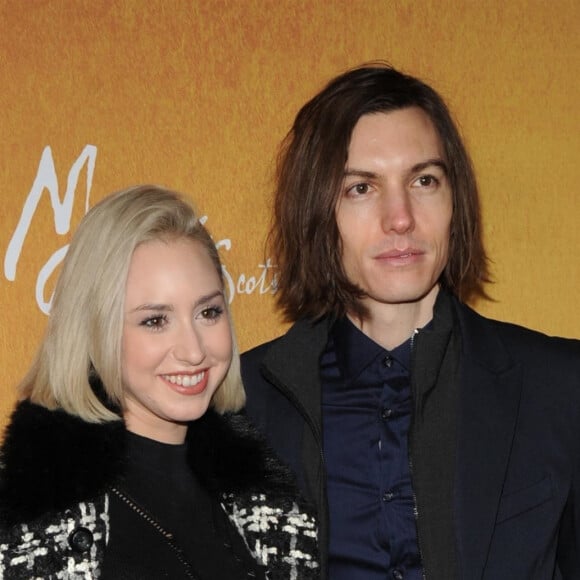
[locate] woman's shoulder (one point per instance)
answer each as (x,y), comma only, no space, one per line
(51,461)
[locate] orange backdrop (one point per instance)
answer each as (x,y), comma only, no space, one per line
(196,95)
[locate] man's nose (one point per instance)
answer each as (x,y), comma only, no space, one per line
(397,210)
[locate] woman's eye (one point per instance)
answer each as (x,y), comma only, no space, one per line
(212,313)
(154,322)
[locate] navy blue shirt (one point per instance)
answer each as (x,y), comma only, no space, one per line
(366,415)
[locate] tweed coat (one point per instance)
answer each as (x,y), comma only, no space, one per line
(57,474)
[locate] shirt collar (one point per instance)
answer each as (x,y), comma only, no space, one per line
(355,351)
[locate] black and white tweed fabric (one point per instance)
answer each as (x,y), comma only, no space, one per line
(41,550)
(284,541)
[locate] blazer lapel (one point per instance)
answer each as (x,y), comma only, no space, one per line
(490,390)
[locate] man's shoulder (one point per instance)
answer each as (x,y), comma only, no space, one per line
(251,365)
(291,358)
(257,353)
(253,359)
(303,335)
(514,337)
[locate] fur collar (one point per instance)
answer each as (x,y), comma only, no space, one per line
(51,460)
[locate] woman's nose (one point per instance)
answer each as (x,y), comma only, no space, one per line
(189,347)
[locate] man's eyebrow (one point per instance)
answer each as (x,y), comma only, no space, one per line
(360,173)
(437,162)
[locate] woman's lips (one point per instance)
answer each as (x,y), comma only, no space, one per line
(187,383)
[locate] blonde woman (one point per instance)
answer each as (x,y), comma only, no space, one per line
(125,458)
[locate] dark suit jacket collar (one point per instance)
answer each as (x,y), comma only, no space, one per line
(489,402)
(480,340)
(432,438)
(292,363)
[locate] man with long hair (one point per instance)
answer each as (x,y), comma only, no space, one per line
(435,443)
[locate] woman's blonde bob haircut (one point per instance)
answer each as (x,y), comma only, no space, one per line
(84,335)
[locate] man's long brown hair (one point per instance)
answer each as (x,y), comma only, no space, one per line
(304,237)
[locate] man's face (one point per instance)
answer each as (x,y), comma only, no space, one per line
(394,211)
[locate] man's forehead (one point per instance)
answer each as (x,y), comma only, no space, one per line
(407,133)
(398,118)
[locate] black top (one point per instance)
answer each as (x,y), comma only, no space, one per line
(165,525)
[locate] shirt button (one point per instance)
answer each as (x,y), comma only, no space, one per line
(386,414)
(397,574)
(388,361)
(388,495)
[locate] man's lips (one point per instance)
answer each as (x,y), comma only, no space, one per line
(395,255)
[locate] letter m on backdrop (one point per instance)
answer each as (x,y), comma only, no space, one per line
(46,179)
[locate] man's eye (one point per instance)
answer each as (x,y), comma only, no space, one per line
(427,181)
(359,189)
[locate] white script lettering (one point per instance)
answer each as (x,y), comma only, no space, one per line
(46,178)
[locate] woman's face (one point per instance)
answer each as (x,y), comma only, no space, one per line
(177,342)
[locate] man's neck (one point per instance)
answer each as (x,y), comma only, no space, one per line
(392,324)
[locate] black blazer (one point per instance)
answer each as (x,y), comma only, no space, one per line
(515,510)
